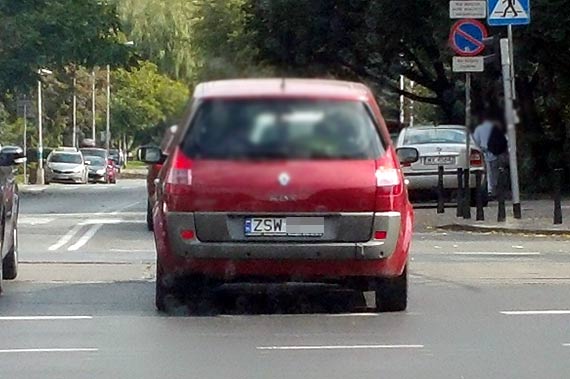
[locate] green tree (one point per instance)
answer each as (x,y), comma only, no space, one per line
(54,34)
(144,101)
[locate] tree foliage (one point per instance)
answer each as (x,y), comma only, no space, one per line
(144,101)
(54,34)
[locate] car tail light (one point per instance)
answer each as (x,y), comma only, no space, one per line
(476,159)
(388,181)
(380,235)
(187,234)
(179,176)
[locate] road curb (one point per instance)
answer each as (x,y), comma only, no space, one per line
(503,229)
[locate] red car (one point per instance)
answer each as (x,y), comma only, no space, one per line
(283,180)
(154,170)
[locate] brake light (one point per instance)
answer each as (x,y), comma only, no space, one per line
(179,176)
(476,159)
(388,181)
(380,235)
(187,234)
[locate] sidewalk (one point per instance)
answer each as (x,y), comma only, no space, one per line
(537,219)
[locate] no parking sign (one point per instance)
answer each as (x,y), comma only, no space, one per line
(466,37)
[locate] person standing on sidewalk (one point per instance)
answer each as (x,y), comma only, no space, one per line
(491,139)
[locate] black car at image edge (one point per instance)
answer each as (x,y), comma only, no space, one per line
(10,156)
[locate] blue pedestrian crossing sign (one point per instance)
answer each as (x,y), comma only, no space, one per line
(508,12)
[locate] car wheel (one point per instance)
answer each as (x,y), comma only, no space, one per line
(392,293)
(164,295)
(10,262)
(149,222)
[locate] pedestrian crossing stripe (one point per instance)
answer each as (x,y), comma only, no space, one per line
(508,9)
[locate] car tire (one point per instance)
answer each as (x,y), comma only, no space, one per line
(10,261)
(392,293)
(149,222)
(161,291)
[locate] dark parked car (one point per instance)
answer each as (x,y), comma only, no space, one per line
(10,156)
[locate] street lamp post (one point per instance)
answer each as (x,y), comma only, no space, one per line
(40,176)
(108,128)
(93,98)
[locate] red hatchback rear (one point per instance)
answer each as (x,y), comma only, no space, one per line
(283,180)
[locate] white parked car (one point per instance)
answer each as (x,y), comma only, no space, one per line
(65,165)
(442,145)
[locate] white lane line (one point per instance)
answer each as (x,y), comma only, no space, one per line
(497,253)
(66,238)
(54,350)
(133,251)
(34,221)
(85,237)
(44,318)
(340,347)
(566,344)
(116,212)
(537,312)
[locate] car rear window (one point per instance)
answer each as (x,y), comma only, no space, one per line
(425,136)
(66,158)
(282,129)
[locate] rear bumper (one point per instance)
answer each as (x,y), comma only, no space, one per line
(278,250)
(55,177)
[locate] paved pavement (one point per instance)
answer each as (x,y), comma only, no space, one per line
(481,306)
(538,218)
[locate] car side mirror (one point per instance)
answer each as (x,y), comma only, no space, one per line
(150,154)
(408,155)
(87,163)
(11,156)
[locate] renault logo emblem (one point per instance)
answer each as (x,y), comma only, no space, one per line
(284,179)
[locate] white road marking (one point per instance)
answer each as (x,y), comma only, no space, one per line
(34,221)
(44,318)
(133,250)
(66,238)
(537,312)
(125,208)
(111,221)
(339,347)
(85,237)
(51,350)
(566,344)
(497,253)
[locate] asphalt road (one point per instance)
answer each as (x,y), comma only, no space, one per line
(481,306)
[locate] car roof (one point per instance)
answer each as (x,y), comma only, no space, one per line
(65,152)
(313,88)
(444,126)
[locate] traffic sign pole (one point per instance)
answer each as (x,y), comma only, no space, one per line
(511,130)
(466,194)
(511,51)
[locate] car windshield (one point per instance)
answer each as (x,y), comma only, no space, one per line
(66,158)
(94,152)
(95,161)
(283,129)
(436,135)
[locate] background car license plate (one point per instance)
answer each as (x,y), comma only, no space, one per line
(439,160)
(284,226)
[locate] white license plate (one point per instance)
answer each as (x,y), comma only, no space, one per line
(284,226)
(439,160)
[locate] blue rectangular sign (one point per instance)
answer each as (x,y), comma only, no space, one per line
(508,12)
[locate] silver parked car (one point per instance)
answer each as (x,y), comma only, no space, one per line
(67,166)
(442,145)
